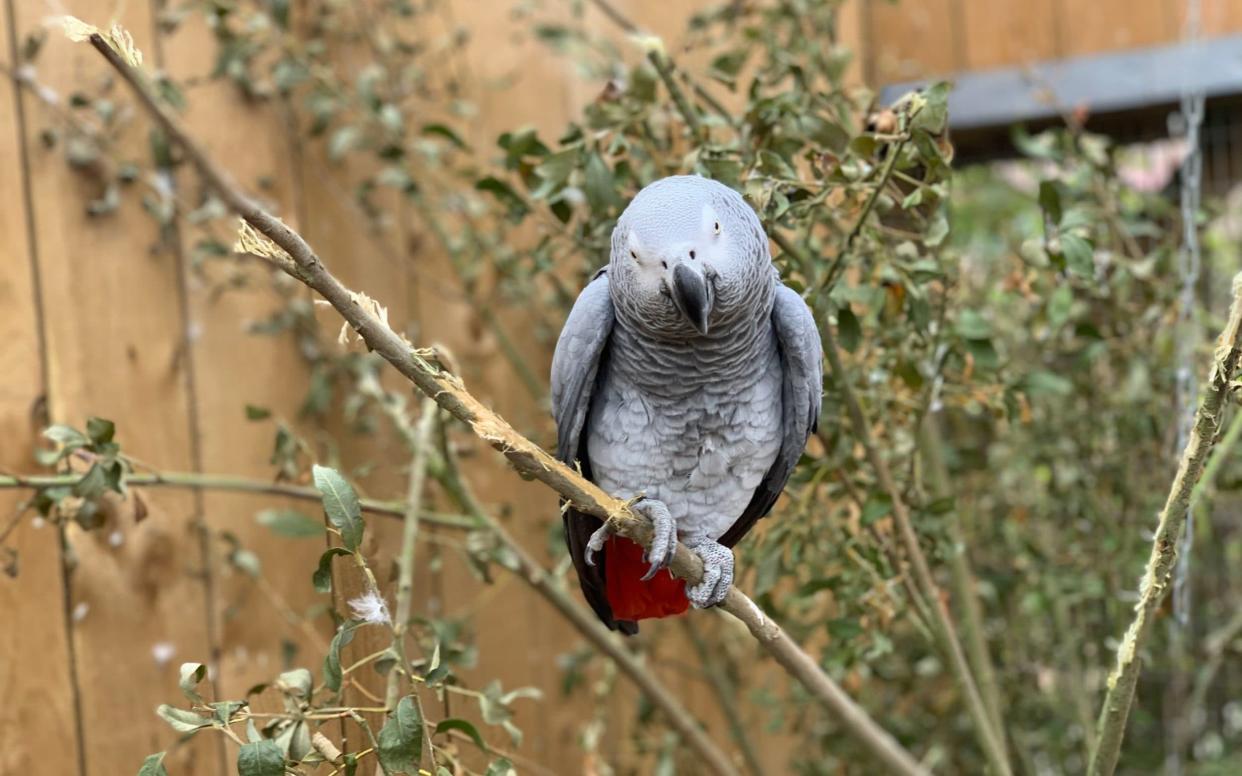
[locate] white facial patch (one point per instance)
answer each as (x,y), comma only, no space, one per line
(710,222)
(633,244)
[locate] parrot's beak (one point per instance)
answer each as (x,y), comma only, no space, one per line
(692,295)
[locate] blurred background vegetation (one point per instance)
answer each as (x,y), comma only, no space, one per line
(1024,329)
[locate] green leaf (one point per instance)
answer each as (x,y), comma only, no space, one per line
(191,675)
(444,131)
(343,141)
(513,202)
(332,674)
(1048,384)
(848,329)
(341,503)
(322,578)
(876,508)
(297,682)
(1078,255)
(1050,200)
(725,67)
(255,412)
(223,711)
(261,758)
(844,629)
(294,741)
(182,720)
(401,739)
(938,230)
(153,765)
(64,435)
(500,767)
(290,523)
(935,113)
(599,188)
(554,170)
(99,430)
(972,325)
(462,725)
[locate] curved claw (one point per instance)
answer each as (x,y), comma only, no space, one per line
(717,574)
(596,543)
(664,535)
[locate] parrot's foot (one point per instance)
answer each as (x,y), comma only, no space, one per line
(663,537)
(717,573)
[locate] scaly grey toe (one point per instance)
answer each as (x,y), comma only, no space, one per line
(717,574)
(663,536)
(596,542)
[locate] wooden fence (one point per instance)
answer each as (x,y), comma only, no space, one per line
(99,317)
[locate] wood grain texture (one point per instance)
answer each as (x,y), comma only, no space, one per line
(254,619)
(114,348)
(38,723)
(116,330)
(999,34)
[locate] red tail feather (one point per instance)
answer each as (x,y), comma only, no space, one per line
(629,596)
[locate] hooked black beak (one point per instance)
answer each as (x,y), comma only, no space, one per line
(693,296)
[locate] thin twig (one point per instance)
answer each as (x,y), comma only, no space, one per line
(838,263)
(409,542)
(525,456)
(366,728)
(989,739)
(726,697)
(630,28)
(1123,680)
(421,444)
(196,481)
(965,589)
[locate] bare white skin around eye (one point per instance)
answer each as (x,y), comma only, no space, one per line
(707,247)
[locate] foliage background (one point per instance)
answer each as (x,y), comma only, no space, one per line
(1035,337)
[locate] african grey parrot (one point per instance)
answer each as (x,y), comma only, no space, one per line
(687,375)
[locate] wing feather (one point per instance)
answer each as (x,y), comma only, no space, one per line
(802,383)
(578,365)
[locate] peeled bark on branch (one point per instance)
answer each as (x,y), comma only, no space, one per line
(1123,680)
(301,262)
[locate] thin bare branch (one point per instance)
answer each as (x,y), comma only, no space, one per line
(224,482)
(990,739)
(1123,680)
(525,456)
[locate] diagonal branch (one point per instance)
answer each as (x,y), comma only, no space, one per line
(1156,579)
(525,456)
(991,740)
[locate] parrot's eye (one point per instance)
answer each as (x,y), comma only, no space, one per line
(634,255)
(716,228)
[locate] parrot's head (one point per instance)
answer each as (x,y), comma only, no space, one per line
(688,254)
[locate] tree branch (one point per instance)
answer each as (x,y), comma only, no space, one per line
(525,456)
(1123,680)
(726,696)
(989,739)
(409,541)
(962,576)
(196,481)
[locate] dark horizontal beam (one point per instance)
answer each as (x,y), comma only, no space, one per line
(1102,83)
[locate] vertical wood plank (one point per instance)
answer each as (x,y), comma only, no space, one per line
(1090,28)
(999,34)
(912,39)
(38,720)
(114,337)
(233,368)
